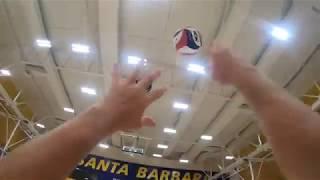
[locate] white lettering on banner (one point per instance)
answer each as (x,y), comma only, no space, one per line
(142,172)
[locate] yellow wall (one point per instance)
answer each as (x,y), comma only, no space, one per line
(12,91)
(314,91)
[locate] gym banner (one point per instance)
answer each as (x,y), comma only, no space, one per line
(100,168)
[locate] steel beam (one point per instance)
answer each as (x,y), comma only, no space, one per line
(241,161)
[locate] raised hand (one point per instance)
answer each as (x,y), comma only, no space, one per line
(225,66)
(127,100)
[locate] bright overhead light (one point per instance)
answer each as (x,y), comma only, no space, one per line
(40,125)
(134,60)
(184,161)
(206,137)
(43,43)
(162,146)
(5,72)
(68,110)
(104,146)
(196,68)
(89,91)
(280,33)
(169,130)
(182,106)
(80,48)
(157,155)
(229,157)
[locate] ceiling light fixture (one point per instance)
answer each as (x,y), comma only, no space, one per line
(179,105)
(68,110)
(40,125)
(104,146)
(280,33)
(169,131)
(89,91)
(162,146)
(43,43)
(206,137)
(80,48)
(157,155)
(134,60)
(184,161)
(5,72)
(229,157)
(196,68)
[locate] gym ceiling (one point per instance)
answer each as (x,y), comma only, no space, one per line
(59,53)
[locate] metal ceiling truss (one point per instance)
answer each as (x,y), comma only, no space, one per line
(10,111)
(245,162)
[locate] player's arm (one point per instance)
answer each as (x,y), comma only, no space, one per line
(54,155)
(292,128)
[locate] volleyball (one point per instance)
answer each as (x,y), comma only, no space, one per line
(187,41)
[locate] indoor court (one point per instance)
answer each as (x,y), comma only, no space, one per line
(56,61)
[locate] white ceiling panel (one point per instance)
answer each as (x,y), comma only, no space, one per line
(65,14)
(144,18)
(255,32)
(202,15)
(6,37)
(161,52)
(201,119)
(74,81)
(9,55)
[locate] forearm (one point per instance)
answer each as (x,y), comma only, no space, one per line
(56,153)
(284,120)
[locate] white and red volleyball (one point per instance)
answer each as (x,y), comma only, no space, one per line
(187,41)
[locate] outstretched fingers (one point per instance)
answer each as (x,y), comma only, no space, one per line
(217,51)
(148,79)
(156,94)
(147,121)
(134,76)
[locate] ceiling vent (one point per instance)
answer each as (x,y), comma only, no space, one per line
(35,69)
(133,150)
(244,106)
